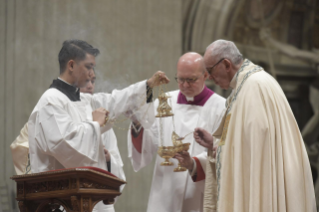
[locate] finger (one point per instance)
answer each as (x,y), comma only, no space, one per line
(179,158)
(184,153)
(203,144)
(165,79)
(196,136)
(199,140)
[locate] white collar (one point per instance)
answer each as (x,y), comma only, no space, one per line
(189,99)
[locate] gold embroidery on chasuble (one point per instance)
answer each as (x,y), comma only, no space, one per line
(225,129)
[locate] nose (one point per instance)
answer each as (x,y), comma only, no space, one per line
(185,84)
(89,85)
(91,72)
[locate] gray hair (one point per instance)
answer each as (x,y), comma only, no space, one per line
(225,49)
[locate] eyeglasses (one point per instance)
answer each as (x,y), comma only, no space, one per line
(209,70)
(188,80)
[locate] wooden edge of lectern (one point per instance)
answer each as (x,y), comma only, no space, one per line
(76,189)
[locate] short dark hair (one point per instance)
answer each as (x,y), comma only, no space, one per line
(75,50)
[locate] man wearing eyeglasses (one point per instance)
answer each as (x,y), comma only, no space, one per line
(262,164)
(193,105)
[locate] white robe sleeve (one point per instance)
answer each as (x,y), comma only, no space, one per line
(110,143)
(202,157)
(149,147)
(128,101)
(72,143)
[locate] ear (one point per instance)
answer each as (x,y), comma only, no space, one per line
(227,65)
(206,75)
(70,65)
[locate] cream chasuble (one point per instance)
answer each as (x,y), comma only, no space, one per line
(262,163)
(20,152)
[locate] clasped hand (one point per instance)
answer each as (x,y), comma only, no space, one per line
(184,159)
(100,115)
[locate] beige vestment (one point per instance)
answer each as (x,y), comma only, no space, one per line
(210,193)
(263,165)
(20,152)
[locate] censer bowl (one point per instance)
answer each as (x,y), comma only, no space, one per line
(180,148)
(185,146)
(166,152)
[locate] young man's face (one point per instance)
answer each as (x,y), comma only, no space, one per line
(83,70)
(89,87)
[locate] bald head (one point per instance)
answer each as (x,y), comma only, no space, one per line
(191,74)
(191,61)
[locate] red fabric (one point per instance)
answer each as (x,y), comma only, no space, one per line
(87,167)
(200,174)
(138,141)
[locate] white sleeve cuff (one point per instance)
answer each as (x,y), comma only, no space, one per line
(193,171)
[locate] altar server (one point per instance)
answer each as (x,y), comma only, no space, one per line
(63,130)
(194,105)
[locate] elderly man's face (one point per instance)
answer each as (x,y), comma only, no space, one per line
(190,81)
(217,71)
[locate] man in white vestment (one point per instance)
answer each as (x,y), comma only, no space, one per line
(193,105)
(109,140)
(111,152)
(20,146)
(262,164)
(63,130)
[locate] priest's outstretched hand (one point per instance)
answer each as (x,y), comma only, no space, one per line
(100,115)
(157,79)
(204,138)
(184,159)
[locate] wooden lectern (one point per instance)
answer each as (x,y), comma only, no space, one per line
(75,189)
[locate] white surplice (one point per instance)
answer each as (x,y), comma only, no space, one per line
(109,140)
(176,191)
(63,135)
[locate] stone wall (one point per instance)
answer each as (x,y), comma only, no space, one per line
(136,38)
